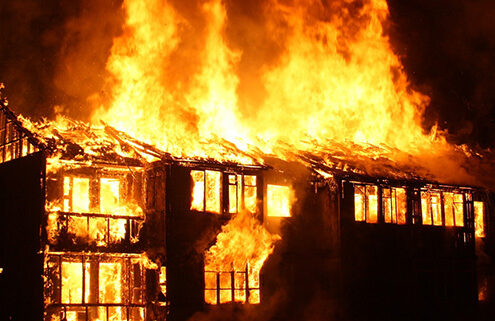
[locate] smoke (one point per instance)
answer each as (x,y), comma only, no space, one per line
(53,53)
(447,48)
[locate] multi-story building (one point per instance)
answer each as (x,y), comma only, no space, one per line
(98,226)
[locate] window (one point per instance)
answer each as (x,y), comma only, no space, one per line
(162,281)
(76,194)
(109,195)
(394,205)
(431,208)
(242,193)
(278,200)
(366,203)
(94,288)
(206,191)
(454,209)
(451,203)
(479,222)
(13,143)
(232,286)
(113,221)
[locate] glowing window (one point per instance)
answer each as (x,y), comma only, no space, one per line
(479,223)
(453,209)
(109,195)
(366,203)
(72,282)
(394,203)
(232,286)
(76,194)
(278,201)
(242,193)
(110,282)
(206,191)
(431,208)
(162,281)
(94,288)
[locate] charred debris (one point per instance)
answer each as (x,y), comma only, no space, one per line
(99,226)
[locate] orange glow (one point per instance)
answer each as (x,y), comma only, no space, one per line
(213,191)
(233,264)
(79,188)
(459,209)
(394,205)
(278,201)
(85,227)
(431,207)
(198,193)
(366,203)
(479,223)
(110,278)
(250,193)
(72,282)
(109,195)
(353,90)
(206,191)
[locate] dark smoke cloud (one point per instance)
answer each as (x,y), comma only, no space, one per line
(448,49)
(54,52)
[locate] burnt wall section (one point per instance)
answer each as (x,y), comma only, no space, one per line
(95,226)
(301,279)
(189,234)
(409,271)
(485,252)
(21,210)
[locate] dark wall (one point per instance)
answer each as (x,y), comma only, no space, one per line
(21,210)
(407,272)
(188,235)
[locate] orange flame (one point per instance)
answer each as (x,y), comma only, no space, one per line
(233,264)
(336,79)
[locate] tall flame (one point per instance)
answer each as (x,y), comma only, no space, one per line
(336,78)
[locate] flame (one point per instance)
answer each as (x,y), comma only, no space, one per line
(176,83)
(235,261)
(479,222)
(278,200)
(84,226)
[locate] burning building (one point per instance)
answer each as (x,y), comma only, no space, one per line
(99,226)
(253,163)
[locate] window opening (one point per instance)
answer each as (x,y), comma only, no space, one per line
(206,191)
(366,203)
(453,208)
(232,286)
(394,202)
(109,195)
(278,201)
(83,287)
(431,208)
(242,193)
(76,194)
(479,222)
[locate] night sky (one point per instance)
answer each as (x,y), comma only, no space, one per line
(54,53)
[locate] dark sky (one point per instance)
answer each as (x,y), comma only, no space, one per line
(54,52)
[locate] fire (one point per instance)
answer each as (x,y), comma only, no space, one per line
(233,264)
(278,200)
(479,223)
(334,80)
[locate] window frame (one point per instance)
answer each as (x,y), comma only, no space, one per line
(233,289)
(366,202)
